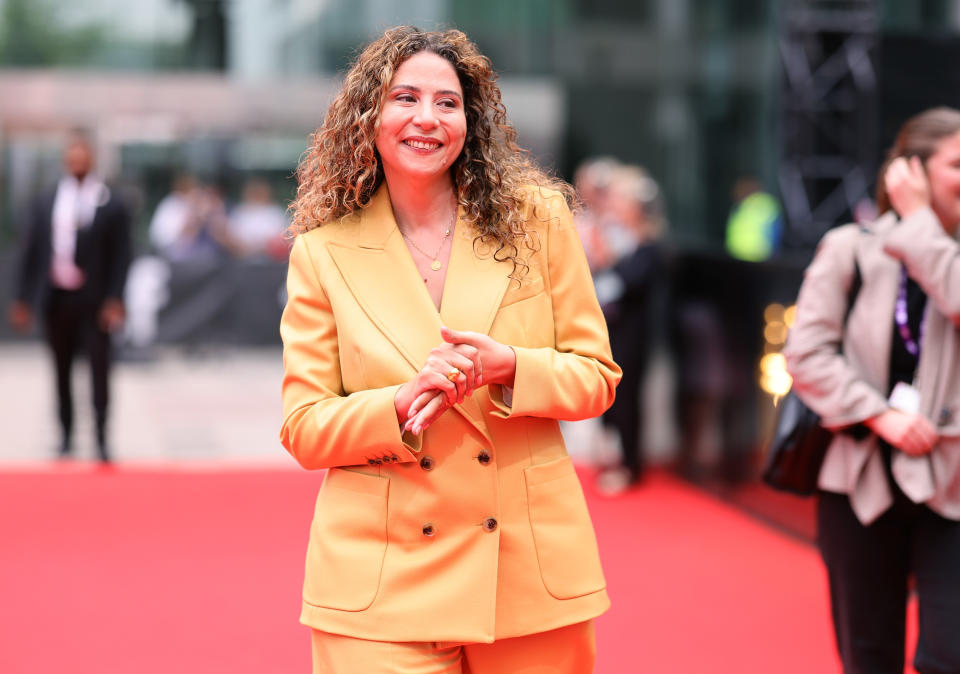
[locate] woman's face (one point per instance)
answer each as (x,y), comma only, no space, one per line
(943,171)
(422,122)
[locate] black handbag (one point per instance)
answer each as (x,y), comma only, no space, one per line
(799,444)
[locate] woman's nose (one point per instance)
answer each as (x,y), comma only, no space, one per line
(425,118)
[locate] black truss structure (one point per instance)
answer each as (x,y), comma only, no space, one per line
(829,114)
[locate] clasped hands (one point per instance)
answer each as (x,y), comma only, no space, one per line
(454,369)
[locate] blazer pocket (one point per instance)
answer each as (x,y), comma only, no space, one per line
(348,541)
(562,532)
(529,287)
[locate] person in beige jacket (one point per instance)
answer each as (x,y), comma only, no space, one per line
(440,320)
(886,378)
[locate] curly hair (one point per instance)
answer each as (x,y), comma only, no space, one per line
(341,168)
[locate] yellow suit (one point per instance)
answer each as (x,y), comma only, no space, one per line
(478,530)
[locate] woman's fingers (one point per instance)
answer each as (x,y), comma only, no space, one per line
(920,436)
(927,434)
(472,344)
(473,354)
(445,358)
(419,402)
(907,185)
(468,373)
(431,412)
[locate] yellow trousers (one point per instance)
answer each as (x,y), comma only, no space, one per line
(567,650)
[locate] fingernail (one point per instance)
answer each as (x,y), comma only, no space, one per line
(416,429)
(479,380)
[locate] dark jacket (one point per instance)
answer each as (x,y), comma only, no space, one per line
(102,252)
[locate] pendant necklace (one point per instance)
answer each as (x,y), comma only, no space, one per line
(436,265)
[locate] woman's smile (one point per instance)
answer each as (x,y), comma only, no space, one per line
(428,144)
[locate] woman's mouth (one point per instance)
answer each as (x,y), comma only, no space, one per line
(422,144)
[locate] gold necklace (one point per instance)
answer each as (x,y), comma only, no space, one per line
(436,265)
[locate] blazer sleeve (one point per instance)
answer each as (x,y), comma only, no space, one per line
(932,258)
(822,377)
(119,251)
(575,379)
(323,426)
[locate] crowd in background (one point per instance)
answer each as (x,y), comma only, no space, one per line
(193,223)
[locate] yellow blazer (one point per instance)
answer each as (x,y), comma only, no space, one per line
(478,530)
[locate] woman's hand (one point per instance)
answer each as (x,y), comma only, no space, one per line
(911,433)
(452,372)
(499,367)
(907,185)
(499,360)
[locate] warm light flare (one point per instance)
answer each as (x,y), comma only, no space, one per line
(790,315)
(774,378)
(773,312)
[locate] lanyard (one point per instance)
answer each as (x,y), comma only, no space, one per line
(900,316)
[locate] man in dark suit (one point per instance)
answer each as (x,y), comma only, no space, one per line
(75,254)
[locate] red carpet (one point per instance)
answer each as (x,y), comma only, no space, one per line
(167,571)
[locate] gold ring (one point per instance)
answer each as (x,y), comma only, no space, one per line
(453,374)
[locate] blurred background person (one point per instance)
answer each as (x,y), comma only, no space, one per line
(889,508)
(630,295)
(755,223)
(172,217)
(75,254)
(190,223)
(592,181)
(257,224)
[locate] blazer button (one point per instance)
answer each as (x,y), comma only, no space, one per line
(427,462)
(484,457)
(378,461)
(372,462)
(429,530)
(394,458)
(489,524)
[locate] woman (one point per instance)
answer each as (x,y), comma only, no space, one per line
(630,296)
(890,500)
(440,319)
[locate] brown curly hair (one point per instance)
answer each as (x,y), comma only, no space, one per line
(341,169)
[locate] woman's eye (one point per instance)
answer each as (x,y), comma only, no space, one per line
(405,98)
(448,103)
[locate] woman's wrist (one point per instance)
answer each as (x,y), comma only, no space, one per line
(876,422)
(504,367)
(401,403)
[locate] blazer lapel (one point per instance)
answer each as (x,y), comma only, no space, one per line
(380,273)
(475,283)
(877,300)
(384,280)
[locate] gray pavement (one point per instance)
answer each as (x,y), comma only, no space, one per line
(218,407)
(209,408)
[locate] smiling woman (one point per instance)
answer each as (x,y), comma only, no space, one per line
(441,319)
